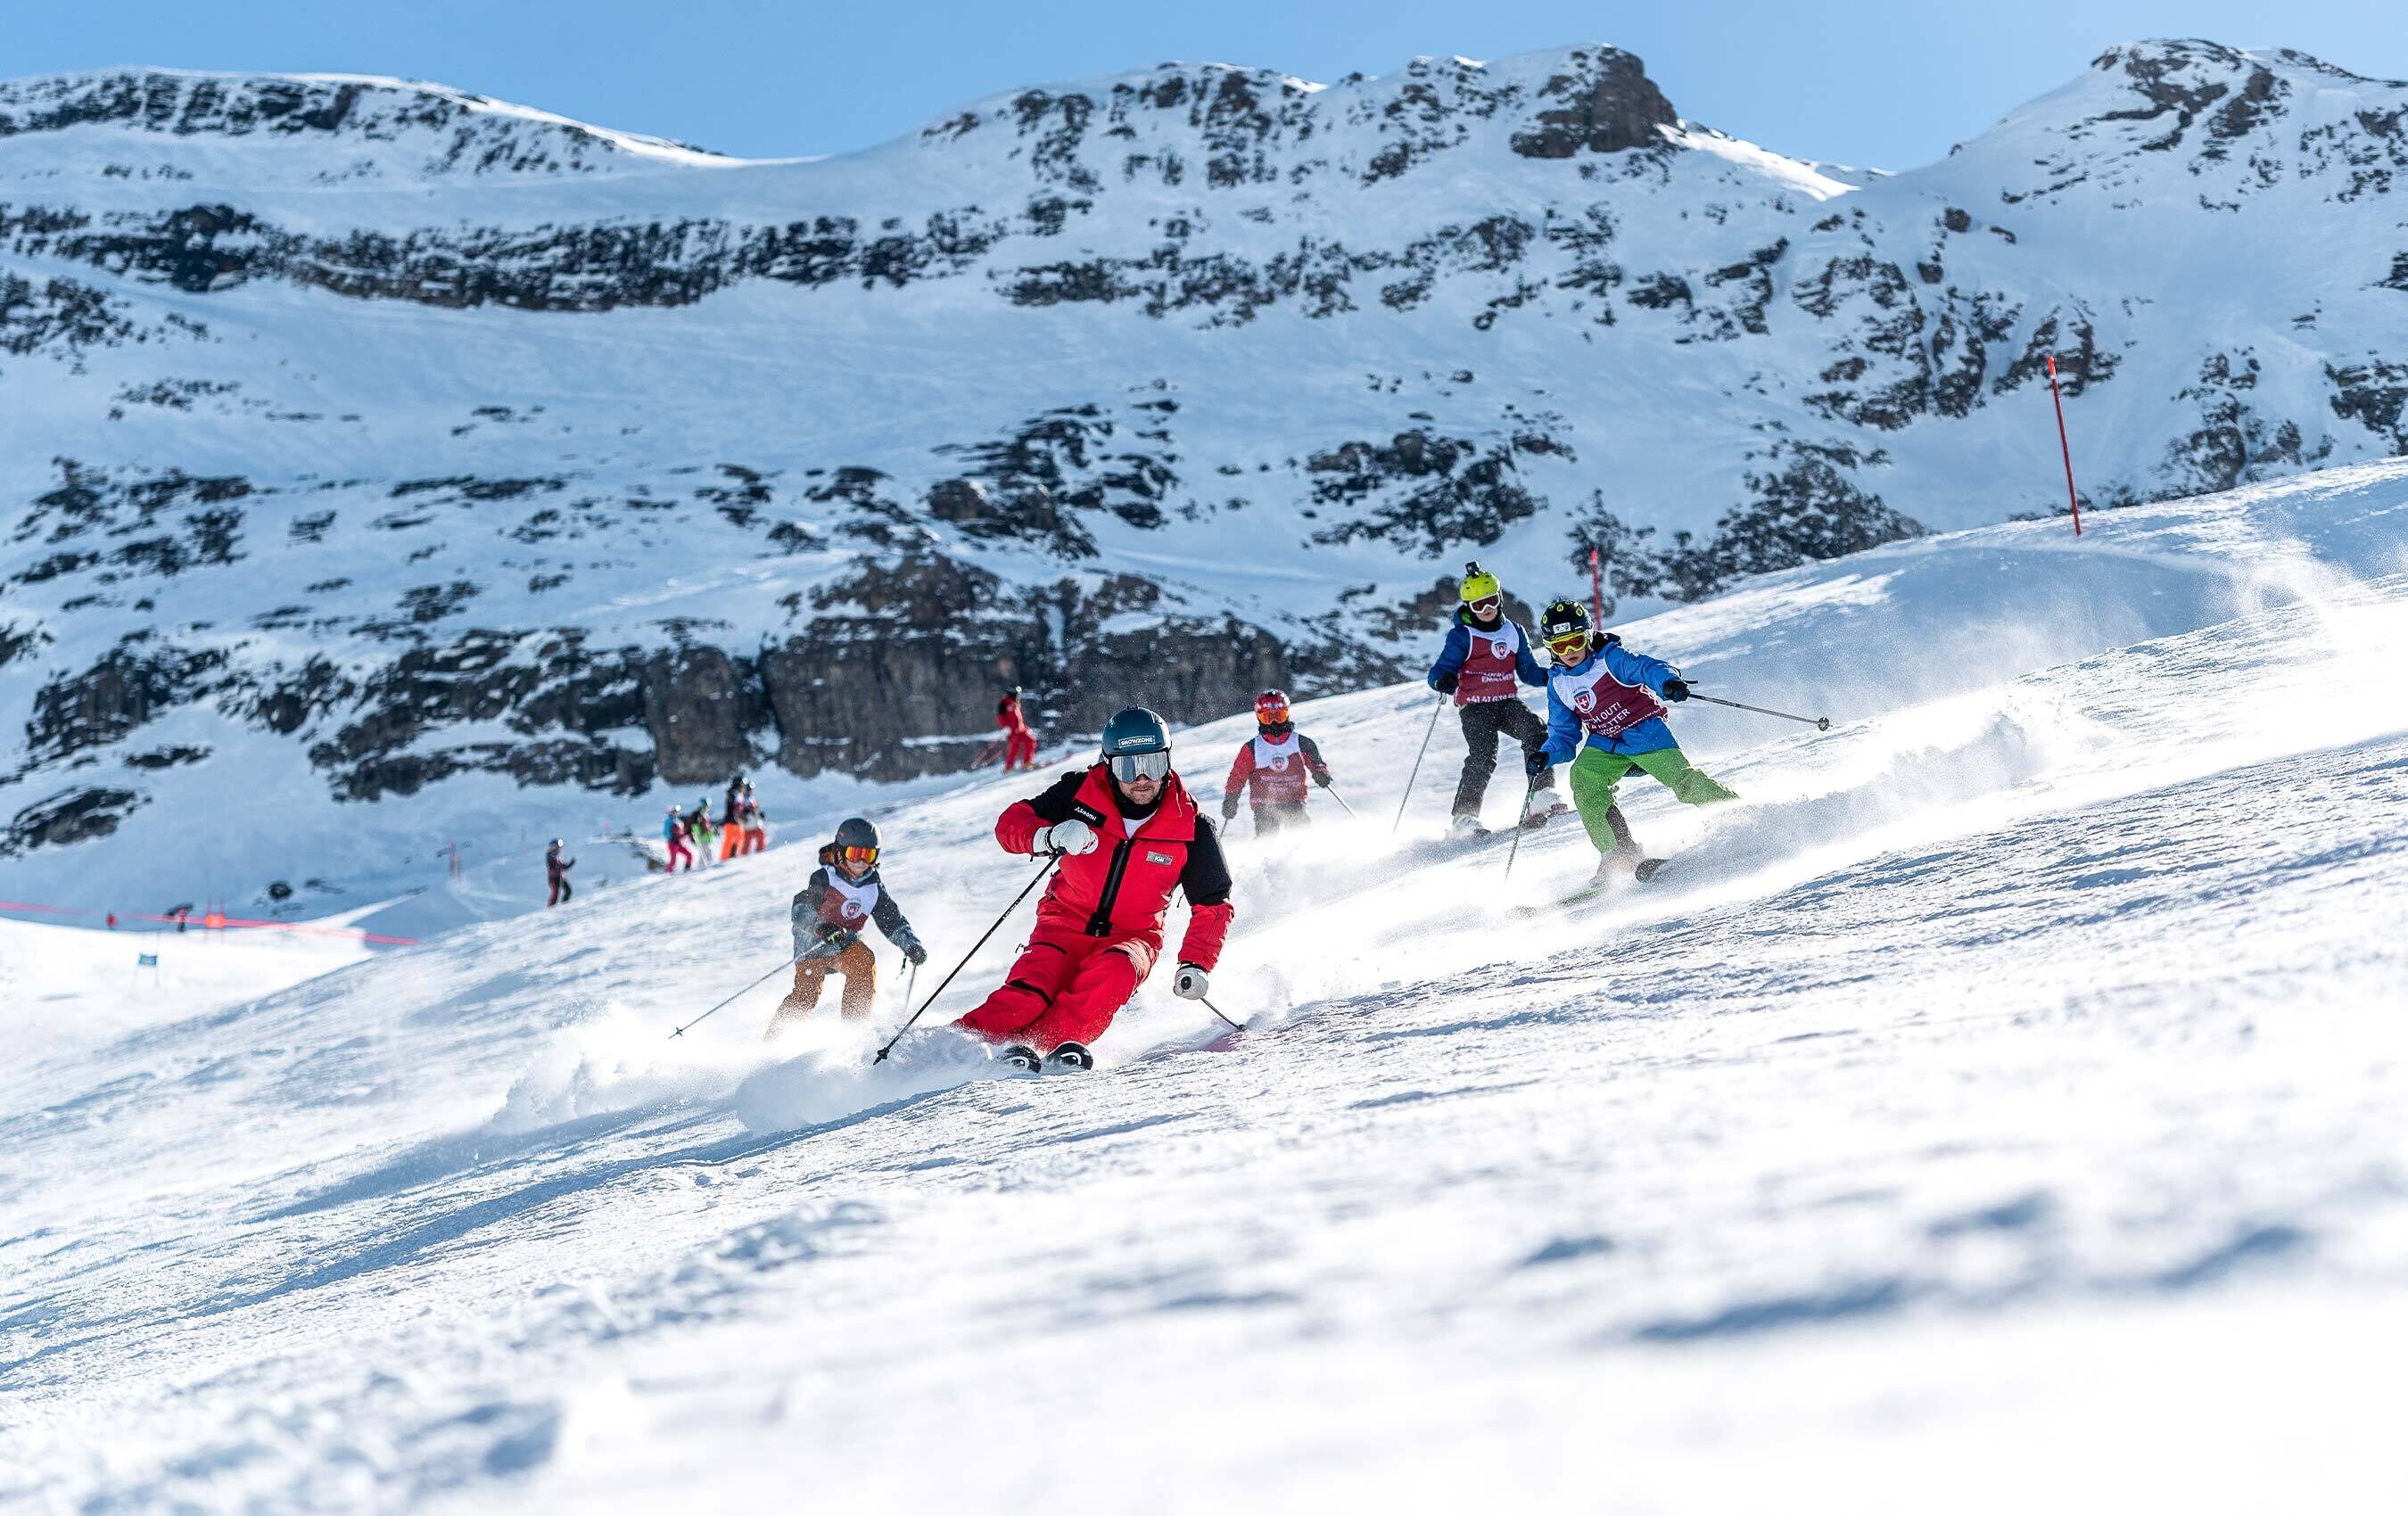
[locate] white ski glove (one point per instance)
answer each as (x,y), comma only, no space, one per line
(1190,982)
(1073,836)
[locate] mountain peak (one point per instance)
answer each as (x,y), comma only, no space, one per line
(457,130)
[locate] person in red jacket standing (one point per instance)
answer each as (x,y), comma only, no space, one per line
(1127,834)
(1272,767)
(1019,742)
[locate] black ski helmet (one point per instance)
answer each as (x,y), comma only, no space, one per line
(1135,730)
(1562,621)
(557,844)
(857,831)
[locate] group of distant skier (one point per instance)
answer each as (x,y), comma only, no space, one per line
(1122,835)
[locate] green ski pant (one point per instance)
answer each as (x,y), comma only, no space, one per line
(1596,772)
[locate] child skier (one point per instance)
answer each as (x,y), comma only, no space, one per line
(673,833)
(1128,834)
(1271,767)
(1486,658)
(555,868)
(842,896)
(1019,742)
(706,837)
(756,824)
(1604,718)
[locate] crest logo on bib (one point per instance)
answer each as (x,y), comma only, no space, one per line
(1584,701)
(1502,648)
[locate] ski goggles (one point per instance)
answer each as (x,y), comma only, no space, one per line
(860,855)
(1132,767)
(1486,604)
(1568,647)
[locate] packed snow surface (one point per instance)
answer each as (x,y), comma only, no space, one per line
(1999,1108)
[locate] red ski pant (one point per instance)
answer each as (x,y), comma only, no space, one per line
(676,850)
(755,839)
(1020,749)
(1065,987)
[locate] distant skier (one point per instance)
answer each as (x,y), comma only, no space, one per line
(1129,833)
(698,826)
(1487,656)
(673,833)
(843,896)
(1604,718)
(1271,769)
(1019,742)
(756,824)
(555,868)
(731,825)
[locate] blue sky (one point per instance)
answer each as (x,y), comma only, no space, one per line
(1880,83)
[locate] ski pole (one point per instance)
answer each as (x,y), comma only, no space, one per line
(1342,801)
(1406,798)
(911,983)
(1521,827)
(1820,723)
(1036,879)
(731,999)
(1216,1010)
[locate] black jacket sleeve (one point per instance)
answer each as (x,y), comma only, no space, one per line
(1056,805)
(889,917)
(1206,878)
(1312,759)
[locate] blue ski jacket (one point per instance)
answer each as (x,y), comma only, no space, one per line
(1459,648)
(1565,729)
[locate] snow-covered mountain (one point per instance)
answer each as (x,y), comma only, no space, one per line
(374,442)
(1998,1109)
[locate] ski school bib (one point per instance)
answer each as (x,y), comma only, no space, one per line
(1606,707)
(1487,672)
(1279,775)
(854,902)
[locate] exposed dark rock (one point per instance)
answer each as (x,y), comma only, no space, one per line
(127,687)
(1458,493)
(1610,106)
(73,816)
(701,707)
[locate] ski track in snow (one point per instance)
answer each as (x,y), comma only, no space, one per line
(2018,1068)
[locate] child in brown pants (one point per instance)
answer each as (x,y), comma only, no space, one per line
(842,896)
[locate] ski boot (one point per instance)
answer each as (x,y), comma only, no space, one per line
(1464,828)
(1070,1058)
(1021,1058)
(1544,806)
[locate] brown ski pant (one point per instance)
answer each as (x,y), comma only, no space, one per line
(858,965)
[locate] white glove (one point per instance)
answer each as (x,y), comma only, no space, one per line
(1073,836)
(1190,982)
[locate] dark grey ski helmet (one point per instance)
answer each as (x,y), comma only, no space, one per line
(857,831)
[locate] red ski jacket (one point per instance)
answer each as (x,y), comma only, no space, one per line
(1272,770)
(1008,716)
(1123,888)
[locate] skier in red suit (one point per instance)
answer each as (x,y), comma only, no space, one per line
(1128,834)
(1019,742)
(1273,769)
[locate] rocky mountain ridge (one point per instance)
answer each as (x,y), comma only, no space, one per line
(439,454)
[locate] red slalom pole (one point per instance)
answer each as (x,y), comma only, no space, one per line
(2063,446)
(1596,593)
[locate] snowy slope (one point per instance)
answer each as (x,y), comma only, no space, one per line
(400,466)
(1998,1107)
